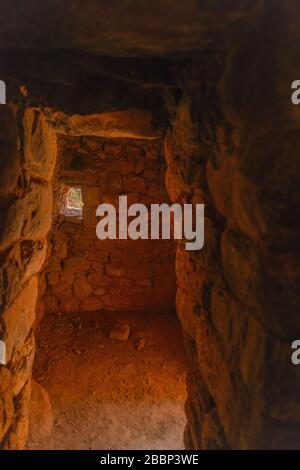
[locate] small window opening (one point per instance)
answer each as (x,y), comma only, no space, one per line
(73,203)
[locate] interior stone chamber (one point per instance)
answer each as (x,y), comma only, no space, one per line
(177,111)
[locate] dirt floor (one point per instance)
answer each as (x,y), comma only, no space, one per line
(111,394)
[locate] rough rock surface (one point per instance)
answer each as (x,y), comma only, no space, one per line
(40,413)
(231,141)
(120,332)
(83,273)
(114,28)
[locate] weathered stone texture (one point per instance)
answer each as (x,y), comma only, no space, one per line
(84,273)
(231,141)
(237,299)
(40,413)
(28,154)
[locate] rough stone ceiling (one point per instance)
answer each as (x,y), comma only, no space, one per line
(132,123)
(120,28)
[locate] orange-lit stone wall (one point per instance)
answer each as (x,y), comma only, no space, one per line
(28,156)
(84,273)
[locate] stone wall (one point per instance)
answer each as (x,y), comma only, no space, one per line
(84,273)
(28,155)
(28,182)
(233,144)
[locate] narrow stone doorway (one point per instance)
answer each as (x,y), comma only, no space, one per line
(109,370)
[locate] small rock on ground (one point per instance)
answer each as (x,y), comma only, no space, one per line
(120,332)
